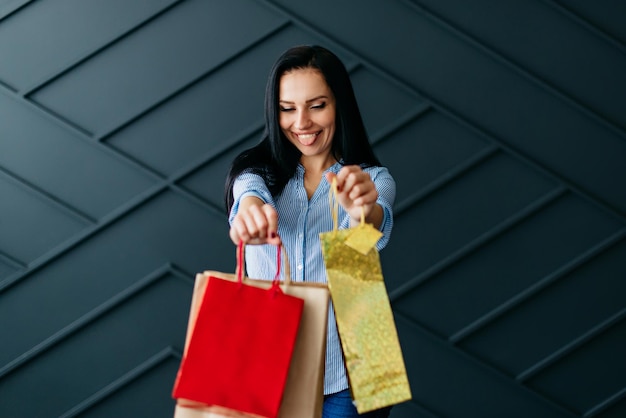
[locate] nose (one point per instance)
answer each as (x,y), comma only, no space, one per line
(303,120)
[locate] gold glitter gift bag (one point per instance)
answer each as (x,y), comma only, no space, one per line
(367,330)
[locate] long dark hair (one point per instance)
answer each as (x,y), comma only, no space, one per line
(275,159)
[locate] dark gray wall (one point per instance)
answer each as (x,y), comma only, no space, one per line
(503,123)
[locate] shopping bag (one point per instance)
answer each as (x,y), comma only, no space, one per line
(189,409)
(367,331)
(304,390)
(240,345)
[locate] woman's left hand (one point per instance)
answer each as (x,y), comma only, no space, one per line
(355,189)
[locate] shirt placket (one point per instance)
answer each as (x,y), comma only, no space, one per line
(301,232)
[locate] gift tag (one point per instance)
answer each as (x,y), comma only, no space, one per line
(363,238)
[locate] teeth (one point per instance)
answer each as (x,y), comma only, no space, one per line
(307,136)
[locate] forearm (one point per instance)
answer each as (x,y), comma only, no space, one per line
(249,201)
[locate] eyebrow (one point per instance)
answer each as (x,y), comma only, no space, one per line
(308,101)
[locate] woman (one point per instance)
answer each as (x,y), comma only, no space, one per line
(277,191)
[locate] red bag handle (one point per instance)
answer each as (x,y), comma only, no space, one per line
(279,249)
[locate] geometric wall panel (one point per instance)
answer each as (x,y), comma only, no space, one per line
(45,223)
(598,362)
(52,158)
(149,394)
(504,129)
(452,217)
(192,125)
(41,39)
(372,92)
(436,370)
(437,146)
(127,77)
(607,20)
(207,182)
(554,317)
(549,48)
(520,258)
(119,339)
(7,266)
(495,94)
(110,262)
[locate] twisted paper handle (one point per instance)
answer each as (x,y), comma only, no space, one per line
(334,205)
(276,281)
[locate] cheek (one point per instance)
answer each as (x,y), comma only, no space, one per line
(328,119)
(329,122)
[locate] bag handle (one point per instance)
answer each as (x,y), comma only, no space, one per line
(280,249)
(334,206)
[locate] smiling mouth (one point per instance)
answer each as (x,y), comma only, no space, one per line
(307,139)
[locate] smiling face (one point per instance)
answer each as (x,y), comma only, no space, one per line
(307,114)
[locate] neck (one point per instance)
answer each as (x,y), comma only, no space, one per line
(317,164)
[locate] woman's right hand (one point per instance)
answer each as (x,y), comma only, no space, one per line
(256,222)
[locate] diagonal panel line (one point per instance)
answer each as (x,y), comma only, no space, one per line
(131,205)
(83,236)
(606,404)
(397,125)
(543,364)
(516,67)
(81,59)
(81,134)
(44,195)
(602,204)
(16,9)
(199,200)
(8,87)
(257,129)
(445,179)
(254,129)
(421,329)
(140,199)
(108,220)
(122,381)
(538,286)
(93,315)
(582,21)
(217,152)
(191,83)
(12,261)
(476,243)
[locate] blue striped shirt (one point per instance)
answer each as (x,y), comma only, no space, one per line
(300,221)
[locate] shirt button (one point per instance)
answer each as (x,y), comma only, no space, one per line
(300,266)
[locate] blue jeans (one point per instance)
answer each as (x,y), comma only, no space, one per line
(339,405)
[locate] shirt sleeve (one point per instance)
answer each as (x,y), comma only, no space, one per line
(386,186)
(248,184)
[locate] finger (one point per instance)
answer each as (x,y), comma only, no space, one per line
(344,174)
(257,222)
(238,231)
(363,186)
(368,198)
(245,225)
(357,184)
(271,217)
(234,235)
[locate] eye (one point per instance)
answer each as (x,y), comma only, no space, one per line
(286,109)
(319,106)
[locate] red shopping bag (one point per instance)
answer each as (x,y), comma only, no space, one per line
(241,346)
